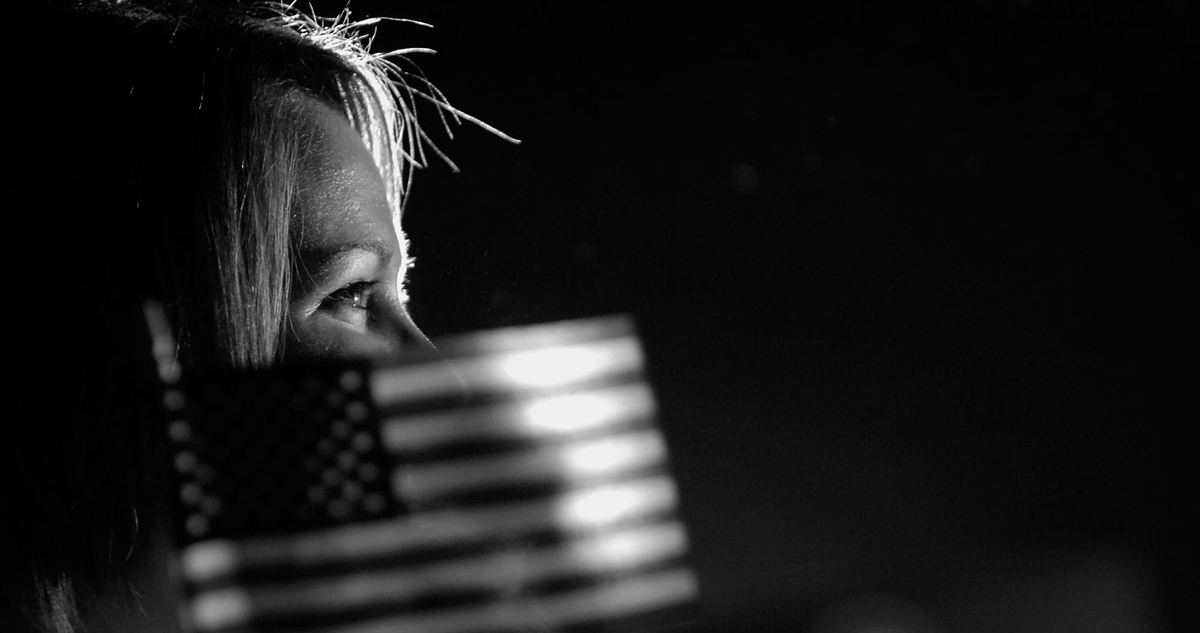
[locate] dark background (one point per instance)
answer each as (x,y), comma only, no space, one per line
(911,281)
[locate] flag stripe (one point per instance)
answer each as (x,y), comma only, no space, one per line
(536,418)
(502,571)
(621,598)
(528,370)
(522,337)
(590,508)
(572,462)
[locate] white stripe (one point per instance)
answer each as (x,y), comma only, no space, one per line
(524,370)
(622,598)
(577,462)
(506,571)
(520,337)
(552,416)
(584,509)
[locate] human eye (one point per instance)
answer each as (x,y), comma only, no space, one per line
(351,303)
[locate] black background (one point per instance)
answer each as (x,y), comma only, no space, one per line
(912,280)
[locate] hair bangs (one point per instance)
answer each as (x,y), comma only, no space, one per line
(382,96)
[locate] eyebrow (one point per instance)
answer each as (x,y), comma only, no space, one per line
(317,262)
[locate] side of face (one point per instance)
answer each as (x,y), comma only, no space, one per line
(348,297)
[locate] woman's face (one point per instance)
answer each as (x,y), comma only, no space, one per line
(348,296)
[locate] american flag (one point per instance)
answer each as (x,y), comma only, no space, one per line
(514,481)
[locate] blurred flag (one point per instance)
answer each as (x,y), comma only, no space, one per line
(515,481)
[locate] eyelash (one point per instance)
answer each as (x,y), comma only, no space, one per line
(356,295)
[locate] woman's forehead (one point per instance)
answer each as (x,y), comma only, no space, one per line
(341,195)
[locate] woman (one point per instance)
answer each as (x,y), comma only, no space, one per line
(247,172)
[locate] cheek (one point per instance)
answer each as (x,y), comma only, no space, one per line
(317,337)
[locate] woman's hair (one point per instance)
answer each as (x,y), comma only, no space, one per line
(194,117)
(157,155)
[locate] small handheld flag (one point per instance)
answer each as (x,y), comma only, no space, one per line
(514,481)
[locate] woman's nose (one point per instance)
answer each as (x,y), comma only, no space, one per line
(398,331)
